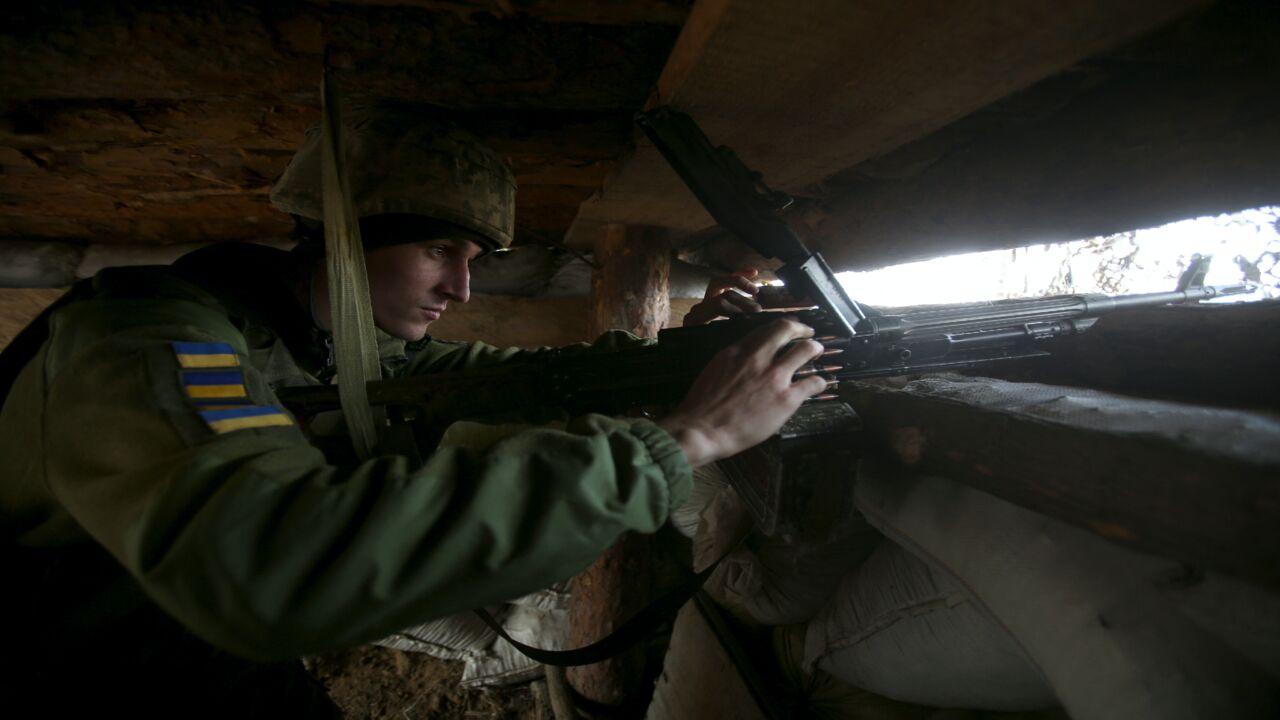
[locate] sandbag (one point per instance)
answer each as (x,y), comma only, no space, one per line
(899,628)
(572,279)
(699,679)
(1245,617)
(457,637)
(772,580)
(540,619)
(708,482)
(1090,614)
(555,597)
(825,696)
(542,627)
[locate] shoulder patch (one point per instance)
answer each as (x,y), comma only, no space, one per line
(206,388)
(215,387)
(226,420)
(205,355)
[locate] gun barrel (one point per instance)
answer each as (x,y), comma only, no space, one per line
(1175,297)
(979,316)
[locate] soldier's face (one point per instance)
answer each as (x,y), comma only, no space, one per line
(411,284)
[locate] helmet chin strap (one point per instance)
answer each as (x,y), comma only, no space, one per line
(351,316)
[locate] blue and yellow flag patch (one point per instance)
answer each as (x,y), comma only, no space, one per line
(205,355)
(218,387)
(213,381)
(257,416)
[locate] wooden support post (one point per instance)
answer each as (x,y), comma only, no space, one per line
(629,291)
(630,288)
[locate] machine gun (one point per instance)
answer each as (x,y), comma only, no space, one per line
(860,343)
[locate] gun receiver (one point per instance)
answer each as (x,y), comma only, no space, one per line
(934,339)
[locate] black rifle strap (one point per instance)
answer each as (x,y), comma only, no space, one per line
(636,627)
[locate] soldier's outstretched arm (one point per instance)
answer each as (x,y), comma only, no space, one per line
(171,452)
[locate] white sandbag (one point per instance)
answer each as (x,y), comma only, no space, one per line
(457,637)
(708,482)
(898,628)
(540,619)
(723,525)
(555,597)
(1089,613)
(770,581)
(524,270)
(699,679)
(503,664)
(777,583)
(1245,617)
(572,279)
(823,696)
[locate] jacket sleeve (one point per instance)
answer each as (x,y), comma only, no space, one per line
(441,356)
(243,532)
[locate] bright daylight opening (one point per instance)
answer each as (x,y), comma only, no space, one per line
(1244,246)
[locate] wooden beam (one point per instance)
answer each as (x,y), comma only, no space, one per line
(1181,124)
(802,91)
(142,171)
(20,307)
(632,12)
(127,122)
(1192,483)
(275,52)
(99,124)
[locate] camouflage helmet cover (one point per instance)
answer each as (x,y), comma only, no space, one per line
(408,162)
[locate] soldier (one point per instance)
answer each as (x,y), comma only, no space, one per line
(167,517)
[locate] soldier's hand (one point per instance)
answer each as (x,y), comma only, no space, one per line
(745,393)
(726,295)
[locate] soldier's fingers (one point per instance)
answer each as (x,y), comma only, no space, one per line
(743,282)
(771,338)
(737,281)
(794,357)
(773,296)
(717,286)
(810,386)
(726,306)
(734,303)
(720,284)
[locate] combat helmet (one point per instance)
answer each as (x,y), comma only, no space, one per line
(409,169)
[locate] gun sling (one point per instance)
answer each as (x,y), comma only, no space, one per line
(639,625)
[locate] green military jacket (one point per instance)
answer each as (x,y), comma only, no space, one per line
(147,423)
